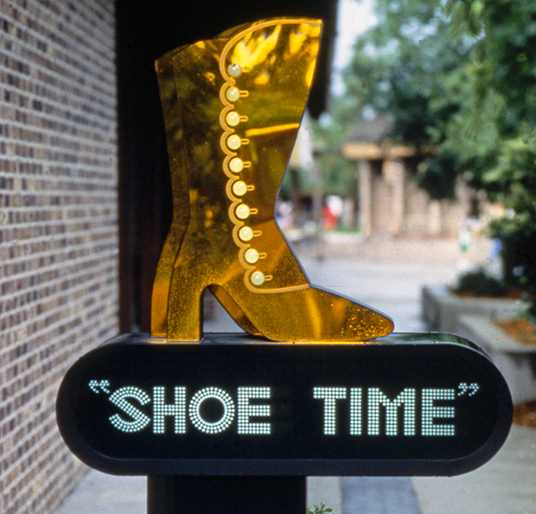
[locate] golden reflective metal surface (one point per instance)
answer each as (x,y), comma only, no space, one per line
(232,108)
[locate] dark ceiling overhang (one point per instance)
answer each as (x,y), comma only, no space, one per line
(150,29)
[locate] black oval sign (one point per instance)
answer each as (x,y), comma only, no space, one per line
(412,404)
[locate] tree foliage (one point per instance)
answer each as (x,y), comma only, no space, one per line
(338,173)
(459,77)
(399,67)
(504,32)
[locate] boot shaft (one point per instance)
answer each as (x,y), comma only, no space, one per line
(232,108)
(248,121)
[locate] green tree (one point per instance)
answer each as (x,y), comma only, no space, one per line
(330,132)
(399,67)
(459,78)
(501,101)
(405,66)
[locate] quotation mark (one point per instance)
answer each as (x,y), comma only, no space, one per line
(94,385)
(469,389)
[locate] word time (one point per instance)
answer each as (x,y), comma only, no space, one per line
(248,410)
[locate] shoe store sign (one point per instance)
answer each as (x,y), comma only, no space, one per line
(334,392)
(408,405)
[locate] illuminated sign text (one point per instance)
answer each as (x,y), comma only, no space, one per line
(392,407)
(189,412)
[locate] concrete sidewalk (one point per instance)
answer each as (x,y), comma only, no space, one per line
(506,485)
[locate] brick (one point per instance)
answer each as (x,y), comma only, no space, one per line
(58,229)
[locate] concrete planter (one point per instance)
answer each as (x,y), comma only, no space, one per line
(442,309)
(517,362)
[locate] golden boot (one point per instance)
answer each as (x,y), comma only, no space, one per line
(232,107)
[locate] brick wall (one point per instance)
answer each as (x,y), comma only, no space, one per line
(58,228)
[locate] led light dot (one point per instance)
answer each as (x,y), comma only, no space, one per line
(234,142)
(240,188)
(245,234)
(252,256)
(242,211)
(232,94)
(209,427)
(430,412)
(257,278)
(232,119)
(376,398)
(236,165)
(356,410)
(247,410)
(234,70)
(140,420)
(176,410)
(330,395)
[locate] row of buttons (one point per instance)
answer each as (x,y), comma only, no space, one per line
(237,165)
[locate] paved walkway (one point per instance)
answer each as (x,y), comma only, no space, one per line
(389,278)
(505,485)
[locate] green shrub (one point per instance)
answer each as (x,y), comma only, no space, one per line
(319,510)
(479,283)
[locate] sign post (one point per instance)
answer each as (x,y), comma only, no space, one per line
(318,385)
(225,495)
(237,423)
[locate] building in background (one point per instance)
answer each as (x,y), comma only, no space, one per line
(390,201)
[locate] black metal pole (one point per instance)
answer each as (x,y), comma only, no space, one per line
(225,495)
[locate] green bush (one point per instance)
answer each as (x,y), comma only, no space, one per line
(479,283)
(319,510)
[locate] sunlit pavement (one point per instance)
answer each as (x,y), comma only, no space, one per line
(392,284)
(104,494)
(505,485)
